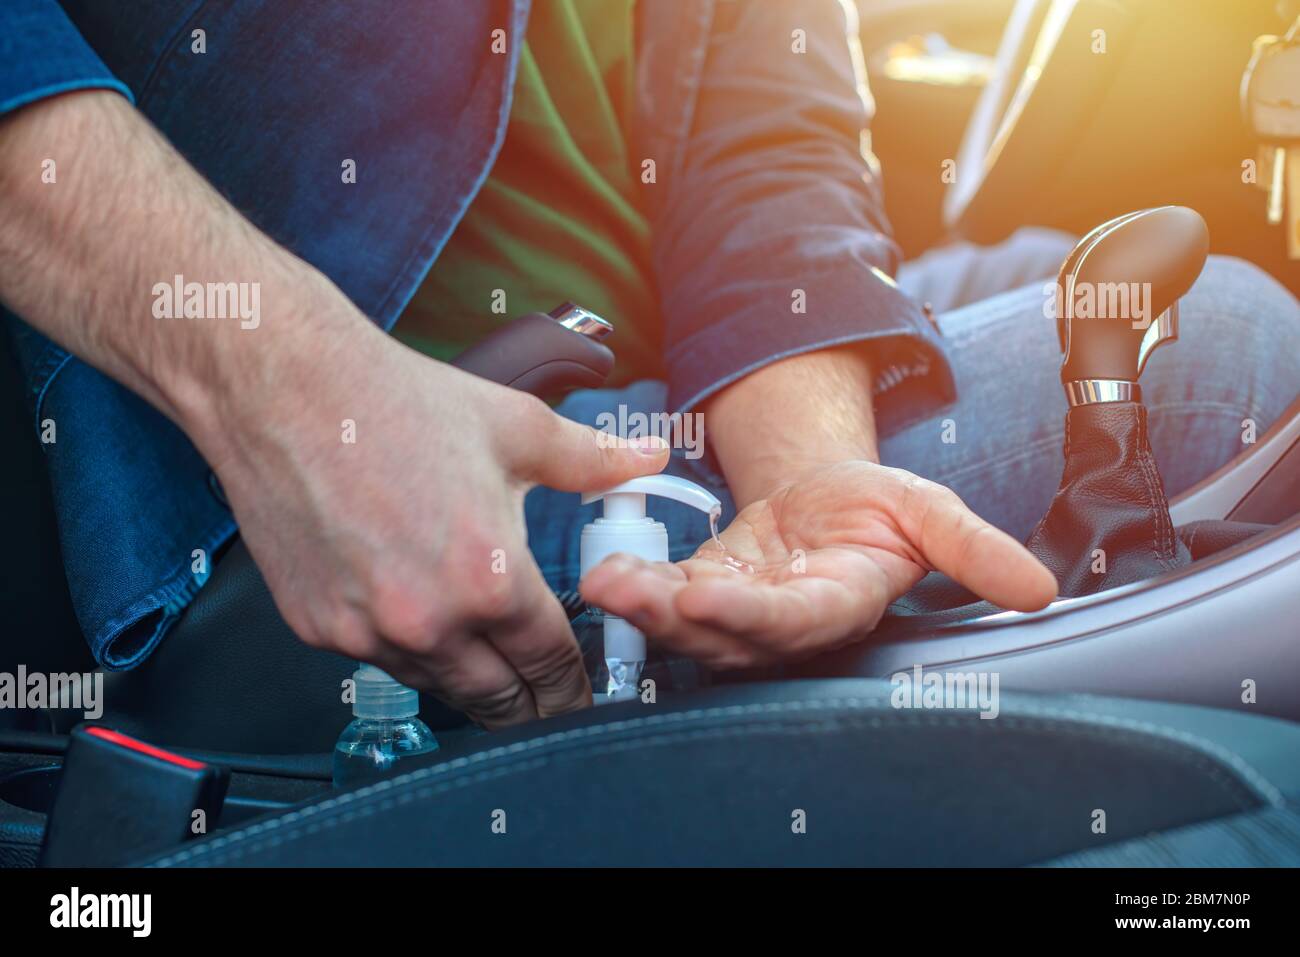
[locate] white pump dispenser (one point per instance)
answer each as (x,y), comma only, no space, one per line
(626,528)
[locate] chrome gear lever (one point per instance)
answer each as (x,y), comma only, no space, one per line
(1118,295)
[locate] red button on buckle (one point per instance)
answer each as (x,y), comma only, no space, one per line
(116,737)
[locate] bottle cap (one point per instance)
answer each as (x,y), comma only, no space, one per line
(381,697)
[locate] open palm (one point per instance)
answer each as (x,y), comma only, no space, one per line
(814,565)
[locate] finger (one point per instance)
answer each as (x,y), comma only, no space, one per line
(467,673)
(535,638)
(476,677)
(795,614)
(400,667)
(963,546)
(554,451)
(643,593)
(352,634)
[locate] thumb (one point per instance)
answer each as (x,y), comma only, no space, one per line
(569,457)
(985,559)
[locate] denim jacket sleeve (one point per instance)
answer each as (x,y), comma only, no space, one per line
(770,236)
(42,54)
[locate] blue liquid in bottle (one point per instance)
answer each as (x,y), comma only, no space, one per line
(384,733)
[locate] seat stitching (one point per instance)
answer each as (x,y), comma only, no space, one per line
(1082,721)
(235,851)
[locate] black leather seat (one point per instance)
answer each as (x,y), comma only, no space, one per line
(800,773)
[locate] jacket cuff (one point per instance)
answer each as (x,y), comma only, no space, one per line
(42,54)
(913,378)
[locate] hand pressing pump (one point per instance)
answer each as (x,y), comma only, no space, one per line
(1118,292)
(626,528)
(547,355)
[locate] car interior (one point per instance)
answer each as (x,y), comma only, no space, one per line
(1165,694)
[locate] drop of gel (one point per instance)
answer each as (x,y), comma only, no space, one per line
(729,560)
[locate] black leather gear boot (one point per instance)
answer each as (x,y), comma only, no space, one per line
(1109,522)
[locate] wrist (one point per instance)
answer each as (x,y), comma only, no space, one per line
(785,421)
(761,476)
(242,381)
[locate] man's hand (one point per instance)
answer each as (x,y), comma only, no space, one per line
(833,537)
(828,554)
(405,547)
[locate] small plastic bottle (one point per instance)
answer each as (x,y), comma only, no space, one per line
(385,730)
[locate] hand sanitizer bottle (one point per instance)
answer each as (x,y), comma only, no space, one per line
(626,528)
(384,732)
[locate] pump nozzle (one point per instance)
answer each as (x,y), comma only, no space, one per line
(665,486)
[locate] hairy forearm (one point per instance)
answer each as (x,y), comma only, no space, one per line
(80,258)
(787,419)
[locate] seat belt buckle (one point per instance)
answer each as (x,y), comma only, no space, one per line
(120,799)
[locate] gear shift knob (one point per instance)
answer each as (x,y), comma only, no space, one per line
(1118,298)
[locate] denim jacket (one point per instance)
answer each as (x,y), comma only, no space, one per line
(769,236)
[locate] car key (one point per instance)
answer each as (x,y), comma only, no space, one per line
(1271,105)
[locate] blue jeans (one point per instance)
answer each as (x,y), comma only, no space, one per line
(1238,358)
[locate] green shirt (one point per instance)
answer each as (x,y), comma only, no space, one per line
(560,215)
